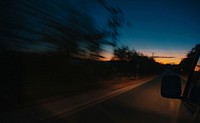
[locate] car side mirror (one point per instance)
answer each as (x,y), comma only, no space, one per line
(171,87)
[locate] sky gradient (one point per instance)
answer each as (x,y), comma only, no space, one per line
(159,27)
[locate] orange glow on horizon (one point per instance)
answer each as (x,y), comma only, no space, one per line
(105,59)
(177,56)
(168,60)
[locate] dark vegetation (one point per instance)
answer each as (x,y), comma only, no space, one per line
(31,76)
(53,48)
(186,63)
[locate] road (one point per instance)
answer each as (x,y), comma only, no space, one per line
(139,105)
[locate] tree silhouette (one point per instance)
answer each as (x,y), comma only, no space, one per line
(186,63)
(124,53)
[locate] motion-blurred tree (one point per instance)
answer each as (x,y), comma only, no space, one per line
(115,20)
(50,26)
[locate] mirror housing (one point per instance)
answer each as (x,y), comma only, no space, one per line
(171,87)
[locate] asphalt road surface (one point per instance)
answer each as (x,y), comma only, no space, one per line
(139,105)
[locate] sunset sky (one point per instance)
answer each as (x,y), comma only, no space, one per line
(167,29)
(160,27)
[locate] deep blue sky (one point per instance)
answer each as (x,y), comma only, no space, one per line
(165,27)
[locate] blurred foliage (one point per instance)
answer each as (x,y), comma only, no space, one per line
(51,26)
(115,21)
